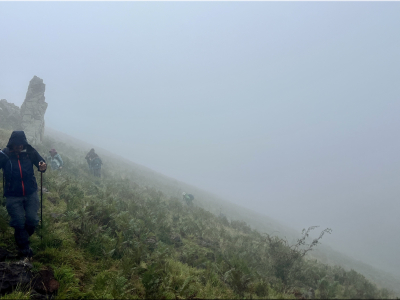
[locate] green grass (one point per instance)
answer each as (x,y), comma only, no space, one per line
(115,238)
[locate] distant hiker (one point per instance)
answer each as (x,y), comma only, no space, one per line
(89,157)
(96,166)
(188,198)
(94,163)
(17,161)
(55,160)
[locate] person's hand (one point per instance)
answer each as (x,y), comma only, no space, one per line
(42,166)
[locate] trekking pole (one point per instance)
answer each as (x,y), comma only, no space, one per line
(4,190)
(41,206)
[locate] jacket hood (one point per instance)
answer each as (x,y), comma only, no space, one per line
(17,138)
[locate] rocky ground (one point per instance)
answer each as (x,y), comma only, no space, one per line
(20,274)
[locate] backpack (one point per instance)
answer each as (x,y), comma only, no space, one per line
(96,163)
(191,196)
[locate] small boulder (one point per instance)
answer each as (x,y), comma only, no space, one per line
(13,275)
(45,283)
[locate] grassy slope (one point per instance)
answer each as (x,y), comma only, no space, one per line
(173,188)
(128,236)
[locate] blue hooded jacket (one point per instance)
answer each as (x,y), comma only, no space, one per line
(18,168)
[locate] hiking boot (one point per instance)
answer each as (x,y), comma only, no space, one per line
(26,262)
(26,253)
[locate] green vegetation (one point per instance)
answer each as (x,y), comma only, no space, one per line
(116,238)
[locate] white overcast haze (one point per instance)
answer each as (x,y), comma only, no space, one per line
(291,109)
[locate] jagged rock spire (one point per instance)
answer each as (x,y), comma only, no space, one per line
(33,110)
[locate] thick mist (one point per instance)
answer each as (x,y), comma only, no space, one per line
(289,109)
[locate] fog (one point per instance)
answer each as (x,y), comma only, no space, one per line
(290,109)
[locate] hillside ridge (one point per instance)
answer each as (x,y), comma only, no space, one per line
(257,220)
(129,236)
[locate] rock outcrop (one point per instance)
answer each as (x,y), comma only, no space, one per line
(33,110)
(30,117)
(14,274)
(10,116)
(42,285)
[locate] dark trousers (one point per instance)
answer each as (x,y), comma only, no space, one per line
(24,217)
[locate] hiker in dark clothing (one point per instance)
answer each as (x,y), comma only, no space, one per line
(89,158)
(96,166)
(20,190)
(94,163)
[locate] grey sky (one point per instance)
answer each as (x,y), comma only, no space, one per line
(289,108)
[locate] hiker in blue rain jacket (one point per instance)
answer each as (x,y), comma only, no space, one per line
(55,160)
(20,190)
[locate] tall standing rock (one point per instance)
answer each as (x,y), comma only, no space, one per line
(33,110)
